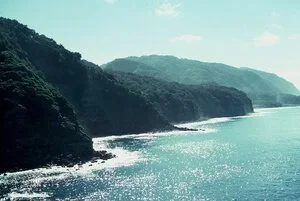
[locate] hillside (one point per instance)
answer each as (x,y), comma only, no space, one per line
(257,85)
(38,125)
(102,105)
(127,66)
(179,103)
(51,101)
(283,86)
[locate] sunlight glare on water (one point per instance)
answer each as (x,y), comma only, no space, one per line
(255,157)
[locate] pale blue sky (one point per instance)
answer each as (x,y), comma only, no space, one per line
(260,34)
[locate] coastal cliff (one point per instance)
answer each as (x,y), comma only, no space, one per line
(52,102)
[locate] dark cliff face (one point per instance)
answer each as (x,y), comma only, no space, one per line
(49,99)
(179,103)
(37,123)
(103,106)
(109,108)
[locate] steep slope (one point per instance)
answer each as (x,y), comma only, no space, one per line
(127,66)
(103,106)
(179,103)
(187,71)
(289,99)
(282,85)
(37,125)
(263,88)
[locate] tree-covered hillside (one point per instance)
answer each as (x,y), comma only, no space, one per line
(283,86)
(187,71)
(127,66)
(103,106)
(37,124)
(178,102)
(258,85)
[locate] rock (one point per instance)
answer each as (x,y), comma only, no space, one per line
(186,129)
(70,165)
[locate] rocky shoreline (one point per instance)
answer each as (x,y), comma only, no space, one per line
(66,161)
(189,129)
(71,161)
(52,102)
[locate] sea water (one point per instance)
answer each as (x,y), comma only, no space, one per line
(256,157)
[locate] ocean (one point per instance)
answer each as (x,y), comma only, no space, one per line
(254,157)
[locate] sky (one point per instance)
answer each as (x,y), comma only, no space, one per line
(264,35)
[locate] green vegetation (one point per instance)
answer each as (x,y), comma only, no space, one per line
(50,97)
(103,106)
(282,86)
(108,108)
(37,123)
(259,86)
(128,66)
(179,103)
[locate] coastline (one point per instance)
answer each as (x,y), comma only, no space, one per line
(102,156)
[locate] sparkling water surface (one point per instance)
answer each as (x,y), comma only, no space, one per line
(256,157)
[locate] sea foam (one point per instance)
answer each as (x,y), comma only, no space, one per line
(19,196)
